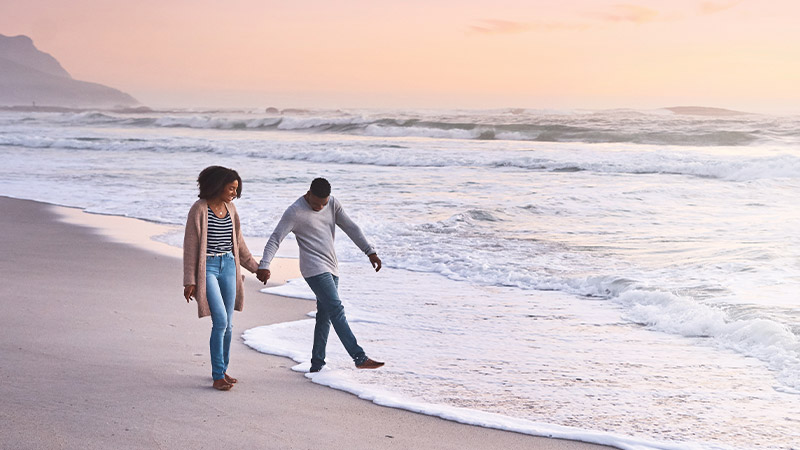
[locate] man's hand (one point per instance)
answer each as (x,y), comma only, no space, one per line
(376,262)
(188,292)
(263,275)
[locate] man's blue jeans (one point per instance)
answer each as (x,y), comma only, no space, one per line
(330,311)
(221,294)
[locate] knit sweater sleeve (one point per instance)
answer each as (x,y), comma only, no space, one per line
(352,230)
(191,246)
(284,227)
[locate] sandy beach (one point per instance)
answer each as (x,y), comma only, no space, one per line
(100,351)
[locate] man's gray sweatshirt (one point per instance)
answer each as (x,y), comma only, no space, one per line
(315,232)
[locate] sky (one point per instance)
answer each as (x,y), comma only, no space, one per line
(559,54)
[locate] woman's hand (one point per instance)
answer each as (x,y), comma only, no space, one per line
(188,292)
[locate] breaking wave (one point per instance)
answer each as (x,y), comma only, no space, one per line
(659,127)
(686,163)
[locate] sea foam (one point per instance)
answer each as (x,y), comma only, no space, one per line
(272,340)
(432,364)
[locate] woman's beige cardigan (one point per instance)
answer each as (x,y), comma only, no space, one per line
(194,255)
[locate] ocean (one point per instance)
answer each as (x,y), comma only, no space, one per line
(622,277)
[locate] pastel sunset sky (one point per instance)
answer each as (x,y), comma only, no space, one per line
(739,54)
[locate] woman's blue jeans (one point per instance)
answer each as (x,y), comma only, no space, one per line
(330,311)
(221,294)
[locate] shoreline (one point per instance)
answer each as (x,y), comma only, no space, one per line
(110,355)
(141,234)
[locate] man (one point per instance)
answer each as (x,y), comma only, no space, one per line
(313,219)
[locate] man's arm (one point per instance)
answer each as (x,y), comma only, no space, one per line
(284,227)
(356,235)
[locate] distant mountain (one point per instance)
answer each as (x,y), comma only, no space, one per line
(704,111)
(31,77)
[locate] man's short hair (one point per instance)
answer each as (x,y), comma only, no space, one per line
(321,188)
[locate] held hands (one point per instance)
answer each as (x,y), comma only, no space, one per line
(188,292)
(376,262)
(263,275)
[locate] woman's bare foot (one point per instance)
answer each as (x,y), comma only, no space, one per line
(222,385)
(230,379)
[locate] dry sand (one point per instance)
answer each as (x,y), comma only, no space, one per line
(100,351)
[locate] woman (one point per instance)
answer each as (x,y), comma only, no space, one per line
(213,250)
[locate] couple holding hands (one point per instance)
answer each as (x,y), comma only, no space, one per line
(214,250)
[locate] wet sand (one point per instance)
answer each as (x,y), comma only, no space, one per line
(100,350)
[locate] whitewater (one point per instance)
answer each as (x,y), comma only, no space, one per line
(622,277)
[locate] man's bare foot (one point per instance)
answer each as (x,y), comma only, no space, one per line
(230,379)
(222,385)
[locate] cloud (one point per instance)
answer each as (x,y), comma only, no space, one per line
(491,26)
(495,26)
(714,7)
(620,13)
(629,13)
(640,14)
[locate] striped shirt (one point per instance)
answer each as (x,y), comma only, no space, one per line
(220,233)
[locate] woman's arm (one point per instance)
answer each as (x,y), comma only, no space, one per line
(246,259)
(191,247)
